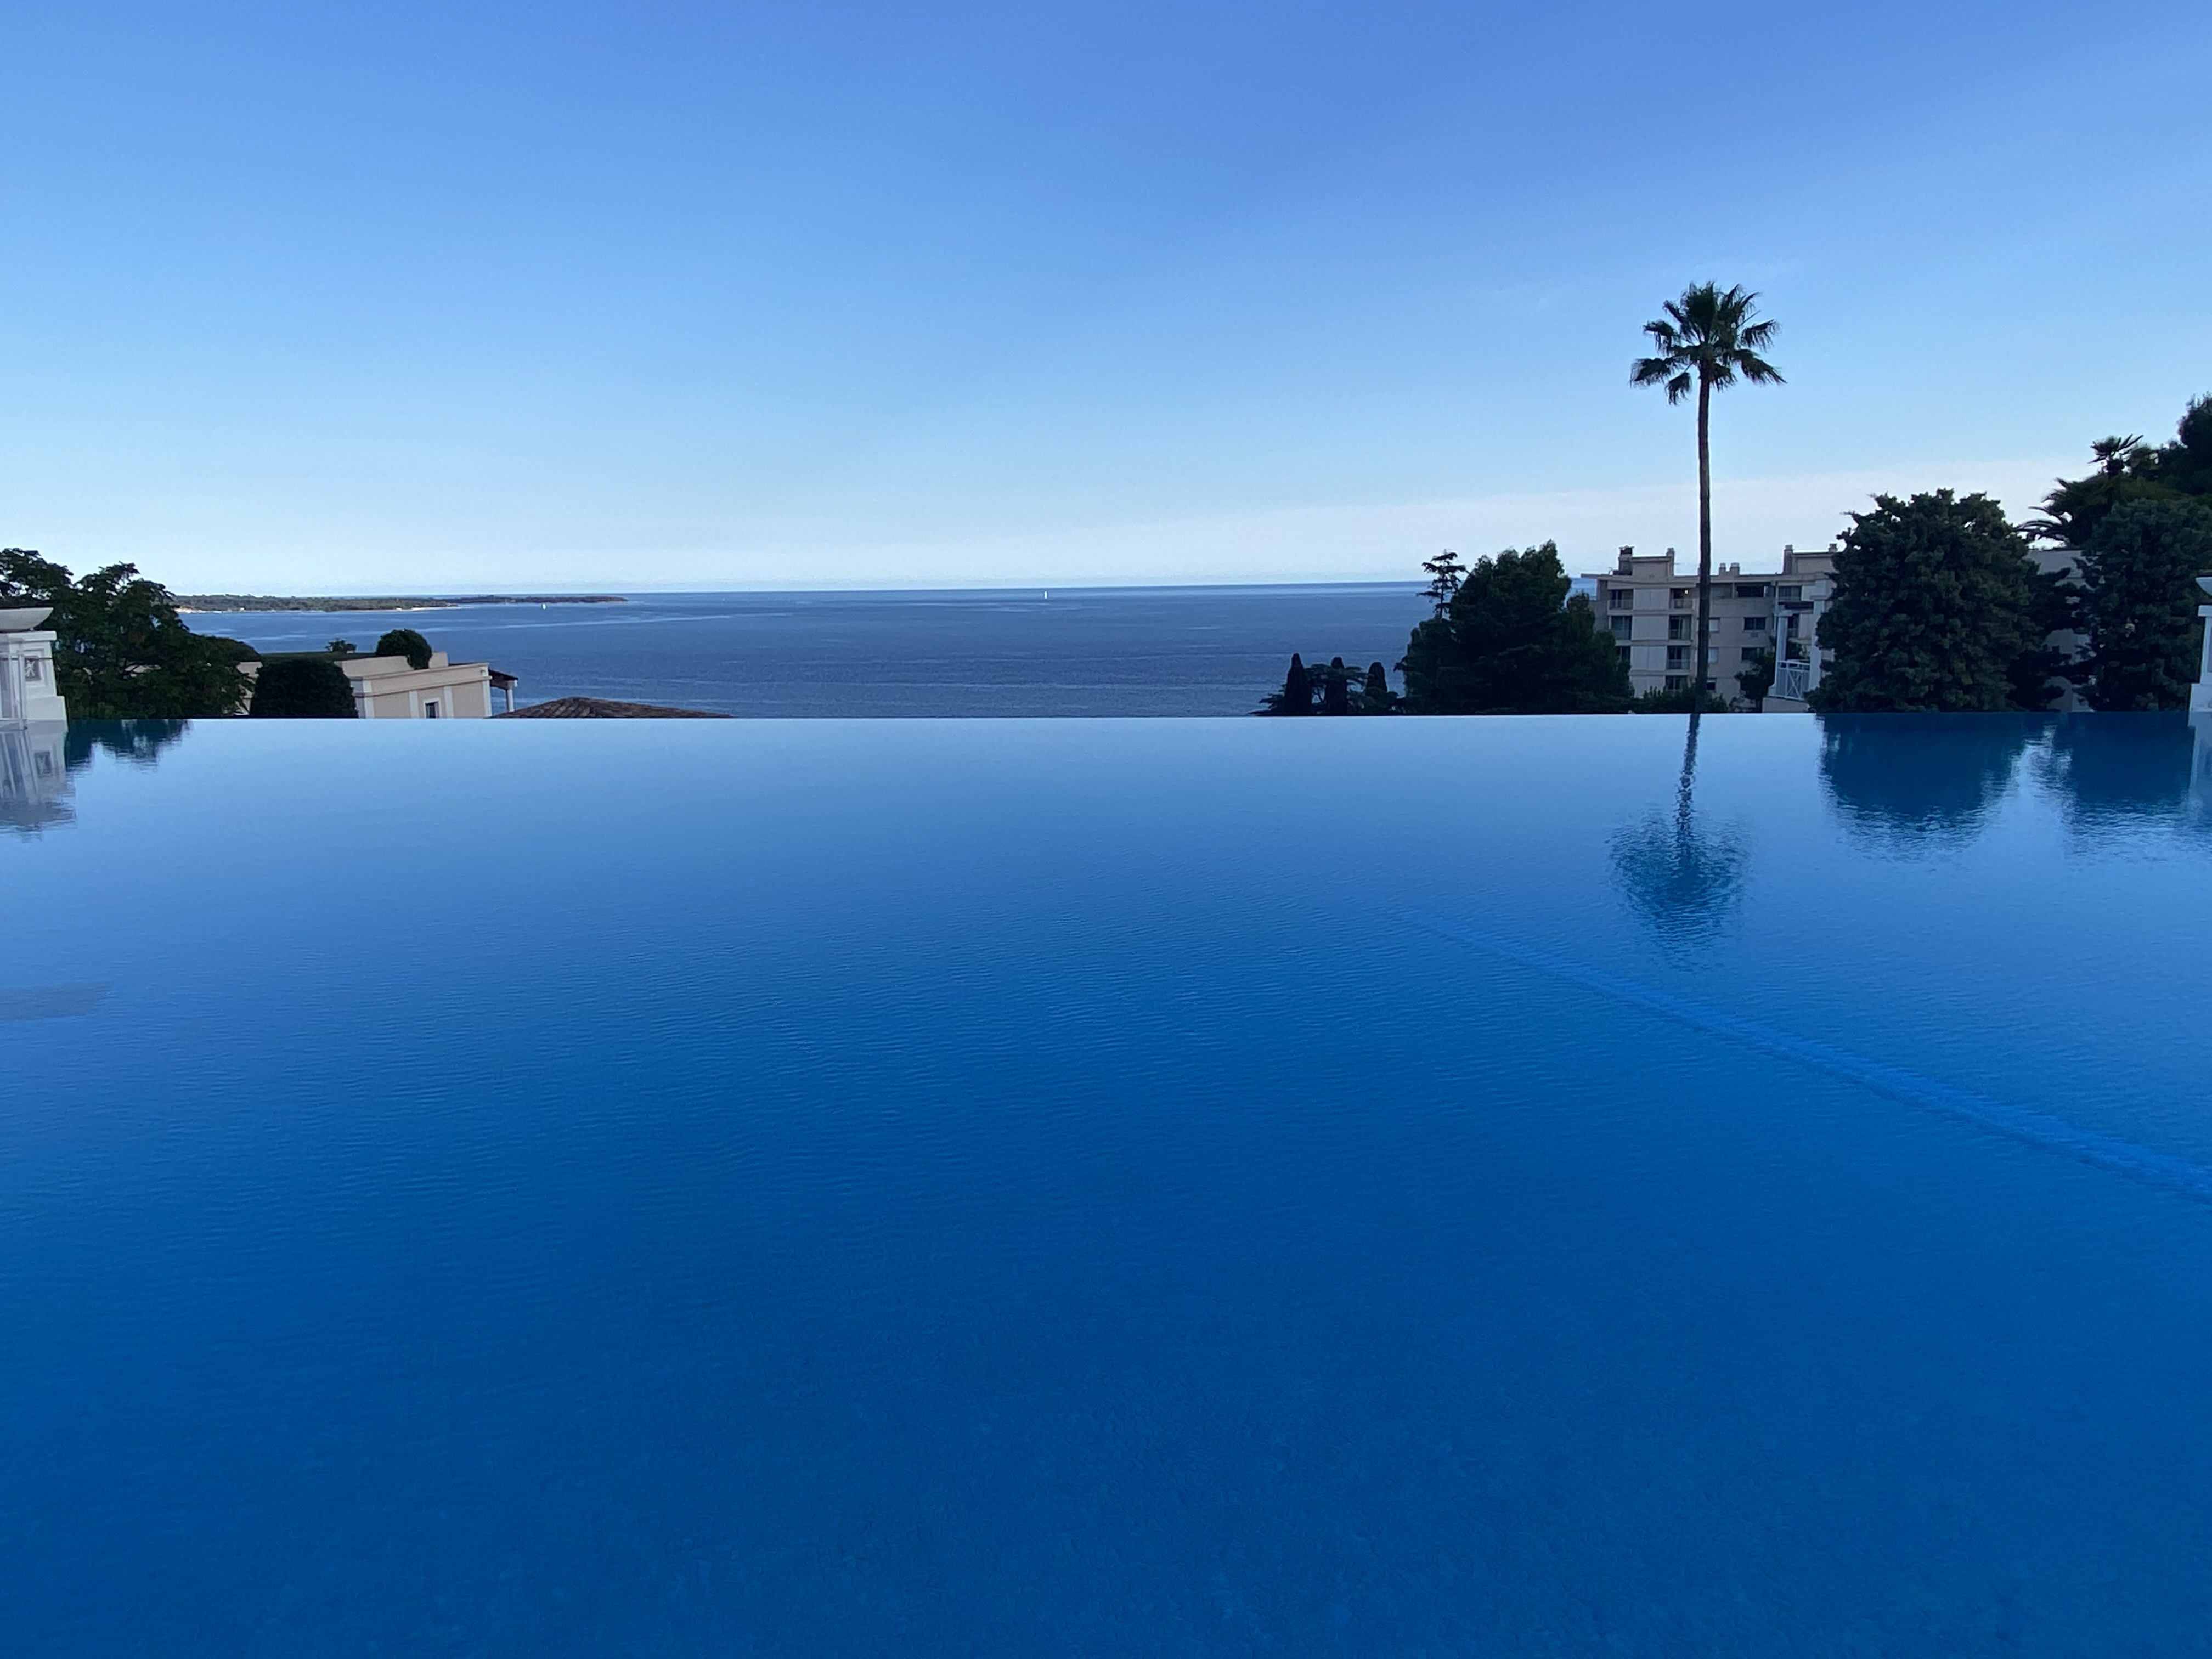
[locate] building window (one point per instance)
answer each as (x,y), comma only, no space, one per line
(1678,628)
(1621,598)
(1623,650)
(1792,592)
(1751,590)
(429,711)
(1755,624)
(1680,598)
(1621,626)
(1678,656)
(1753,653)
(1678,682)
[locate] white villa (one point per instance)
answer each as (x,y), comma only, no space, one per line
(34,722)
(390,689)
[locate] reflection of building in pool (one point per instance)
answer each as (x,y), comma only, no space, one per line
(390,688)
(34,775)
(1652,610)
(34,730)
(2200,695)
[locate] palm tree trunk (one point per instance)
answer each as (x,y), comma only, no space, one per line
(1705,540)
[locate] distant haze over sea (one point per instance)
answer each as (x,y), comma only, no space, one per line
(1083,652)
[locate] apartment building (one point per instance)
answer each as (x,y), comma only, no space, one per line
(1652,610)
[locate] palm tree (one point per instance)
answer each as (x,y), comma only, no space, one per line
(1707,338)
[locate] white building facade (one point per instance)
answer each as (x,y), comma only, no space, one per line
(392,688)
(1650,608)
(33,724)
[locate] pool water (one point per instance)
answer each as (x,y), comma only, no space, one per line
(1408,1187)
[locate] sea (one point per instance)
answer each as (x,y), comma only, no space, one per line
(999,653)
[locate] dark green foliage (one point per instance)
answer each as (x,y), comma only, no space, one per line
(1335,688)
(2139,599)
(122,651)
(340,647)
(404,642)
(1687,700)
(1756,681)
(1446,573)
(1297,696)
(1375,696)
(2129,470)
(1935,610)
(303,688)
(1511,641)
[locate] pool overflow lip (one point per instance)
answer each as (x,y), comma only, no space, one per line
(2138,1163)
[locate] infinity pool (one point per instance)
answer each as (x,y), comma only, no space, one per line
(1409,1187)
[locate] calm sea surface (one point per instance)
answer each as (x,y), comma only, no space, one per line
(1071,651)
(1204,1187)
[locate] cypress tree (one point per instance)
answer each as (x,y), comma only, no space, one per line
(1335,689)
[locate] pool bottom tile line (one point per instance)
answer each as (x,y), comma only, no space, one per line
(2138,1163)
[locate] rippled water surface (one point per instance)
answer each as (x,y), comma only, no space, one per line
(1410,1186)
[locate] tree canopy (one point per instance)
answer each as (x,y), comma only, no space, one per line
(2129,469)
(121,650)
(2139,599)
(1509,640)
(404,642)
(1937,609)
(302,688)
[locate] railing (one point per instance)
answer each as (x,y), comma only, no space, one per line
(1789,680)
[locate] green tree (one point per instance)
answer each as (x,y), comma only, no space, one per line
(2139,599)
(121,650)
(1296,696)
(1335,688)
(1756,681)
(302,688)
(1375,696)
(1936,610)
(404,642)
(1707,341)
(1446,573)
(2129,470)
(1511,641)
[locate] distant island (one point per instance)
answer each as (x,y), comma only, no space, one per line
(326,601)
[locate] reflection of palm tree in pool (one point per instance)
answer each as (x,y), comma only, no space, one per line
(1920,782)
(1684,875)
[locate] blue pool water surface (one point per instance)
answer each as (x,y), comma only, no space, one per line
(1325,1187)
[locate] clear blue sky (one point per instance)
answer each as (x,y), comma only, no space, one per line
(330,297)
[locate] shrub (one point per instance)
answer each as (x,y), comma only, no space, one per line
(302,688)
